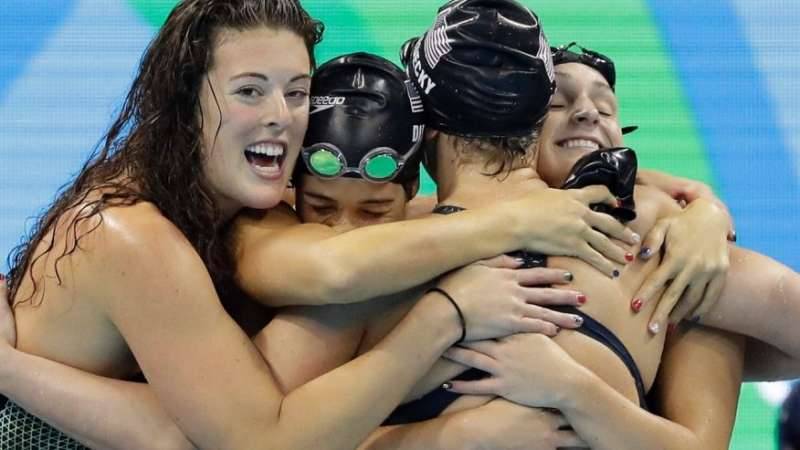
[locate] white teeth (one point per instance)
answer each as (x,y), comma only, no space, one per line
(266,149)
(580,143)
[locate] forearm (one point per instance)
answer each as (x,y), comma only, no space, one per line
(764,362)
(697,390)
(435,434)
(606,420)
(370,261)
(351,401)
(99,412)
(760,299)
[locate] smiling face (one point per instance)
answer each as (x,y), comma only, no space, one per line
(348,203)
(582,118)
(254,112)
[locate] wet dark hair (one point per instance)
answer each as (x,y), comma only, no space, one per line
(500,155)
(153,149)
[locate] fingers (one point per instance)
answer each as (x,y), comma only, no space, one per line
(611,227)
(500,262)
(690,299)
(654,283)
(594,194)
(595,259)
(608,249)
(486,386)
(667,302)
(710,298)
(532,325)
(654,239)
(559,319)
(471,358)
(540,276)
(550,296)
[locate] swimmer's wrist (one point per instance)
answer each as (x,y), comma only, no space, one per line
(438,314)
(578,386)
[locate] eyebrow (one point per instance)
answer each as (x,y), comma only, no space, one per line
(378,201)
(263,77)
(371,202)
(318,196)
(596,83)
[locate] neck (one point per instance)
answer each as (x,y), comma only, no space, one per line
(471,185)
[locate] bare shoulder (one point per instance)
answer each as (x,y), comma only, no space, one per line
(135,246)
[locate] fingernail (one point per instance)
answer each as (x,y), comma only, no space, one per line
(645,252)
(671,328)
(636,305)
(636,238)
(2,277)
(568,277)
(615,273)
(619,203)
(582,299)
(732,236)
(447,385)
(578,320)
(629,257)
(654,328)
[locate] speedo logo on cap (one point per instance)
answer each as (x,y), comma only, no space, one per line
(323,102)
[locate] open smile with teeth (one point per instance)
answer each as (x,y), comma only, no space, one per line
(579,143)
(265,156)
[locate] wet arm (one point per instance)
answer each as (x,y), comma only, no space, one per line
(209,376)
(281,262)
(761,300)
(328,267)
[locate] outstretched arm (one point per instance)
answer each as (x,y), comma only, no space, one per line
(320,266)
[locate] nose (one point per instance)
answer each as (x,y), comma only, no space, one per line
(585,113)
(344,223)
(276,113)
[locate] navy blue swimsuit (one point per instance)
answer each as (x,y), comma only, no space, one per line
(615,168)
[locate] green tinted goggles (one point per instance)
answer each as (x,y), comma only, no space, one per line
(379,165)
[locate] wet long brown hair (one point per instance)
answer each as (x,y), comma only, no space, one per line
(153,150)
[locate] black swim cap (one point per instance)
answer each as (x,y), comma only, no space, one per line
(484,69)
(360,102)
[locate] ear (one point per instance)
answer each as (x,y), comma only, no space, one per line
(533,156)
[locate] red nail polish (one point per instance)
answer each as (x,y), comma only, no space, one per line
(636,305)
(629,257)
(671,328)
(582,299)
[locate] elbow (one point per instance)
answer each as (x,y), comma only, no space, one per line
(335,283)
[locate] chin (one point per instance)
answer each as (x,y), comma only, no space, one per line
(264,197)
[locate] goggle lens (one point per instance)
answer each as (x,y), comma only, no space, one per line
(325,163)
(381,167)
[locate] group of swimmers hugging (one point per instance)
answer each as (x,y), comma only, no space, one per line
(244,262)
